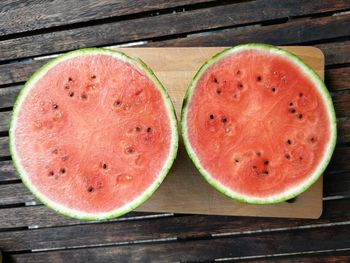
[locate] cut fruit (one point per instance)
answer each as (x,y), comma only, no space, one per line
(93,133)
(258,124)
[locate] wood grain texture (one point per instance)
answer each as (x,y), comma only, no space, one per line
(205,249)
(342,105)
(19,71)
(8,96)
(46,14)
(41,216)
(183,22)
(184,190)
(297,31)
(193,232)
(7,172)
(4,147)
(334,54)
(180,227)
(343,127)
(315,257)
(338,78)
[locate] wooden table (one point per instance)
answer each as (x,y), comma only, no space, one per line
(31,30)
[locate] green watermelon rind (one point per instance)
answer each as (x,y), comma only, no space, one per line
(297,190)
(138,63)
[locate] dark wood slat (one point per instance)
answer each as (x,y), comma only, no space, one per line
(4,147)
(317,257)
(7,5)
(336,184)
(182,227)
(8,96)
(338,78)
(340,159)
(293,32)
(336,53)
(342,105)
(208,18)
(343,131)
(20,71)
(58,13)
(7,171)
(14,194)
(4,120)
(205,250)
(41,216)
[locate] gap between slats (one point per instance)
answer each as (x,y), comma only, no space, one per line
(166,231)
(280,255)
(192,250)
(154,28)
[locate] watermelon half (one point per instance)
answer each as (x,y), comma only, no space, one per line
(93,133)
(258,123)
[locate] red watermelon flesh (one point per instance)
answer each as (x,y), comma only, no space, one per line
(258,124)
(94,133)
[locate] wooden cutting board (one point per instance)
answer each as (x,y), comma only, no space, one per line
(184,190)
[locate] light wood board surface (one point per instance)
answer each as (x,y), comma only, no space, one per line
(184,190)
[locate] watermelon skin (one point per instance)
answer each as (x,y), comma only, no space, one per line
(138,63)
(293,192)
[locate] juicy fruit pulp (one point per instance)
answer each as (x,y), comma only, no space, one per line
(94,133)
(257,124)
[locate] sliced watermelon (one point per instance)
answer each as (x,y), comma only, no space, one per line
(93,133)
(258,123)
